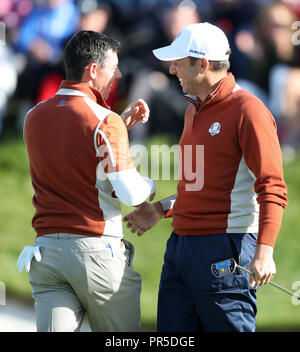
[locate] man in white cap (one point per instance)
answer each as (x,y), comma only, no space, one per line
(231,208)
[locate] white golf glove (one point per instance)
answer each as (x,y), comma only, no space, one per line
(26,256)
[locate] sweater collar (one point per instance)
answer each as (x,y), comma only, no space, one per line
(224,88)
(86,89)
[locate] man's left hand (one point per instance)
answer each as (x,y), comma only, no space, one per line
(262,266)
(135,112)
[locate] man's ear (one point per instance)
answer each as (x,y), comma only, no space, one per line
(203,65)
(91,70)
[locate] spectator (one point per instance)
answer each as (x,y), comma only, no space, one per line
(259,34)
(97,17)
(44,31)
(290,112)
(155,85)
(11,14)
(94,16)
(8,81)
(41,38)
(274,32)
(273,68)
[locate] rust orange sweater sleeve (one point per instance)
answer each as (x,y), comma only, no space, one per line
(167,205)
(259,143)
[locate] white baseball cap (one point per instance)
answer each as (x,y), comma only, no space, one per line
(196,40)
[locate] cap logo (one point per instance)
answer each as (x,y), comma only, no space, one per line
(197,52)
(215,128)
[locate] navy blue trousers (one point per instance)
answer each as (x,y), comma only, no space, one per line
(192,299)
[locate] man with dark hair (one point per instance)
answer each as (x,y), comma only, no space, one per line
(85,48)
(81,169)
(231,208)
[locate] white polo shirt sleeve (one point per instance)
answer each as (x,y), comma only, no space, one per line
(112,147)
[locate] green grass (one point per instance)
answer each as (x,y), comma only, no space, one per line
(276,312)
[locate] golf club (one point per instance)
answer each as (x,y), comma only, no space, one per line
(228,267)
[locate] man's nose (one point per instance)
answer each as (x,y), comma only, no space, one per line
(119,74)
(172,69)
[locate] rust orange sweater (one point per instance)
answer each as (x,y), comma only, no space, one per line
(233,181)
(80,163)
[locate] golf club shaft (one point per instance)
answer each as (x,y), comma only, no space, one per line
(272,283)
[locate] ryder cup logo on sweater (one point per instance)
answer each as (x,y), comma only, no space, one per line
(215,128)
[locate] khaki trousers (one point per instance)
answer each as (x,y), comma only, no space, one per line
(79,275)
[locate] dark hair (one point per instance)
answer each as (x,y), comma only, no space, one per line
(215,65)
(85,47)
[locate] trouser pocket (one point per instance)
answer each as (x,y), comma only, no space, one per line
(244,247)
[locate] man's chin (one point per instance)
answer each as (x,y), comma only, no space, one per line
(184,90)
(105,95)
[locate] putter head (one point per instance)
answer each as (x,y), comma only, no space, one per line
(223,268)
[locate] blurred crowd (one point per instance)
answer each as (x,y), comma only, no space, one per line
(264,37)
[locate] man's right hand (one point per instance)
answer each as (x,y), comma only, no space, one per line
(135,112)
(144,217)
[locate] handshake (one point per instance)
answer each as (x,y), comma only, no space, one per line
(144,217)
